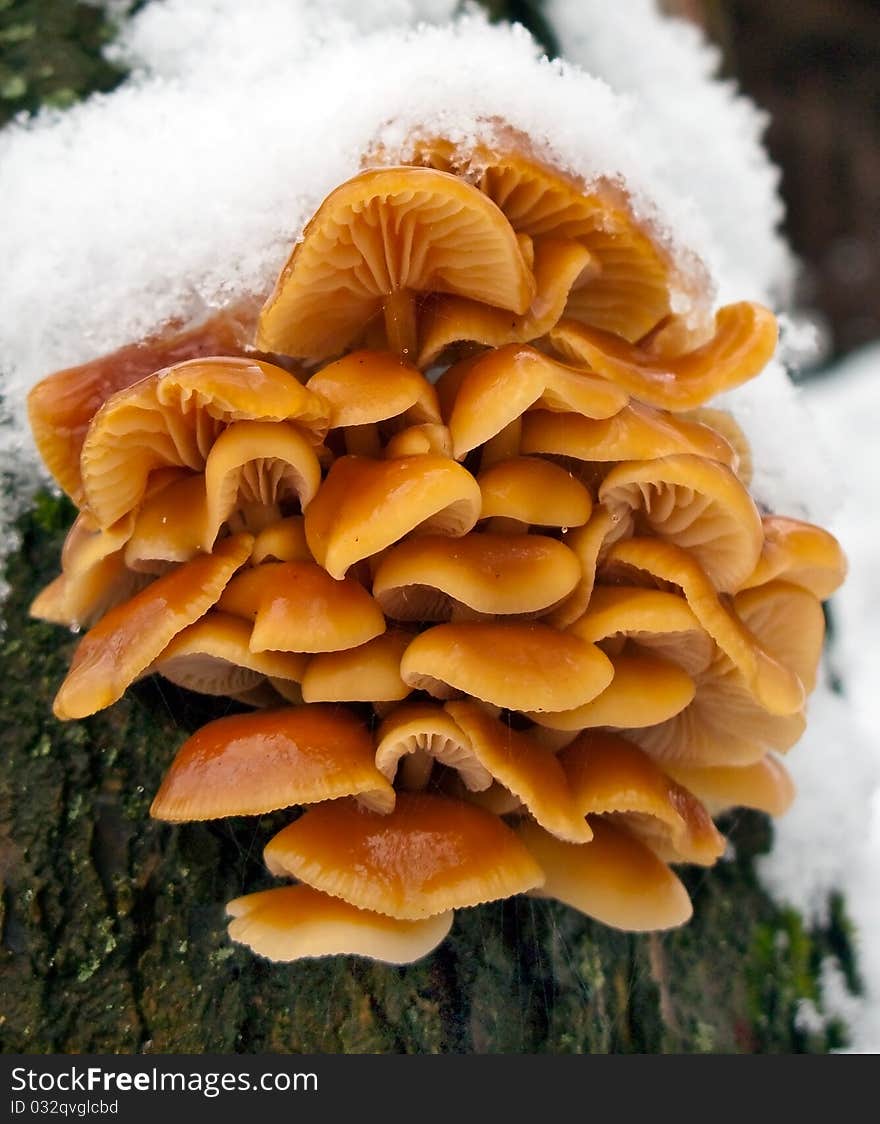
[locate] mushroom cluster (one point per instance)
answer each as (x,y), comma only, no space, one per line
(450,516)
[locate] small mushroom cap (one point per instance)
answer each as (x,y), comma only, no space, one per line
(504,383)
(173,417)
(588,543)
(799,553)
(368,673)
(298,607)
(559,266)
(728,428)
(62,405)
(635,433)
(413,736)
(609,775)
(744,342)
(420,440)
(282,541)
(521,666)
(382,232)
(695,503)
(429,855)
(524,767)
(653,618)
(614,878)
(421,578)
(248,764)
(262,463)
(296,922)
(372,386)
(127,640)
(775,687)
(170,525)
(535,492)
(789,624)
(645,690)
(213,656)
(364,506)
(765,785)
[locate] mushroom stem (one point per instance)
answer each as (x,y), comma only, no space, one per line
(400,322)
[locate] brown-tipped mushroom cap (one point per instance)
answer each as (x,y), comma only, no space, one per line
(694,503)
(645,690)
(526,768)
(502,384)
(258,463)
(412,737)
(425,577)
(429,855)
(368,673)
(520,666)
(559,266)
(744,341)
(375,242)
(127,640)
(764,785)
(535,492)
(62,405)
(800,553)
(636,432)
(248,764)
(366,387)
(775,687)
(213,656)
(609,775)
(173,417)
(296,922)
(298,607)
(364,506)
(614,878)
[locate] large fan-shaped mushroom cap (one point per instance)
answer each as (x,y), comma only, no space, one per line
(173,417)
(295,922)
(520,666)
(429,855)
(526,768)
(247,764)
(413,736)
(364,506)
(127,640)
(614,878)
(377,240)
(213,656)
(298,607)
(533,492)
(425,577)
(368,673)
(744,342)
(62,405)
(502,384)
(799,553)
(609,775)
(694,503)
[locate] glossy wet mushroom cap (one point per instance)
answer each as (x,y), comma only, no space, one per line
(415,736)
(367,673)
(534,492)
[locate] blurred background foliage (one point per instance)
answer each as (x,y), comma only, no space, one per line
(813,65)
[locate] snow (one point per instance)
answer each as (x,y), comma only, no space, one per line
(187,186)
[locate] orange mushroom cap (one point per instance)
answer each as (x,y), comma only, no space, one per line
(298,607)
(588,543)
(744,342)
(296,922)
(789,624)
(609,775)
(520,666)
(127,640)
(534,492)
(524,767)
(282,541)
(413,736)
(420,440)
(364,506)
(170,524)
(429,855)
(248,764)
(423,578)
(378,238)
(799,553)
(372,386)
(614,878)
(368,673)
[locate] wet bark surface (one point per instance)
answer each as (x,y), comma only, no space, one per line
(112,934)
